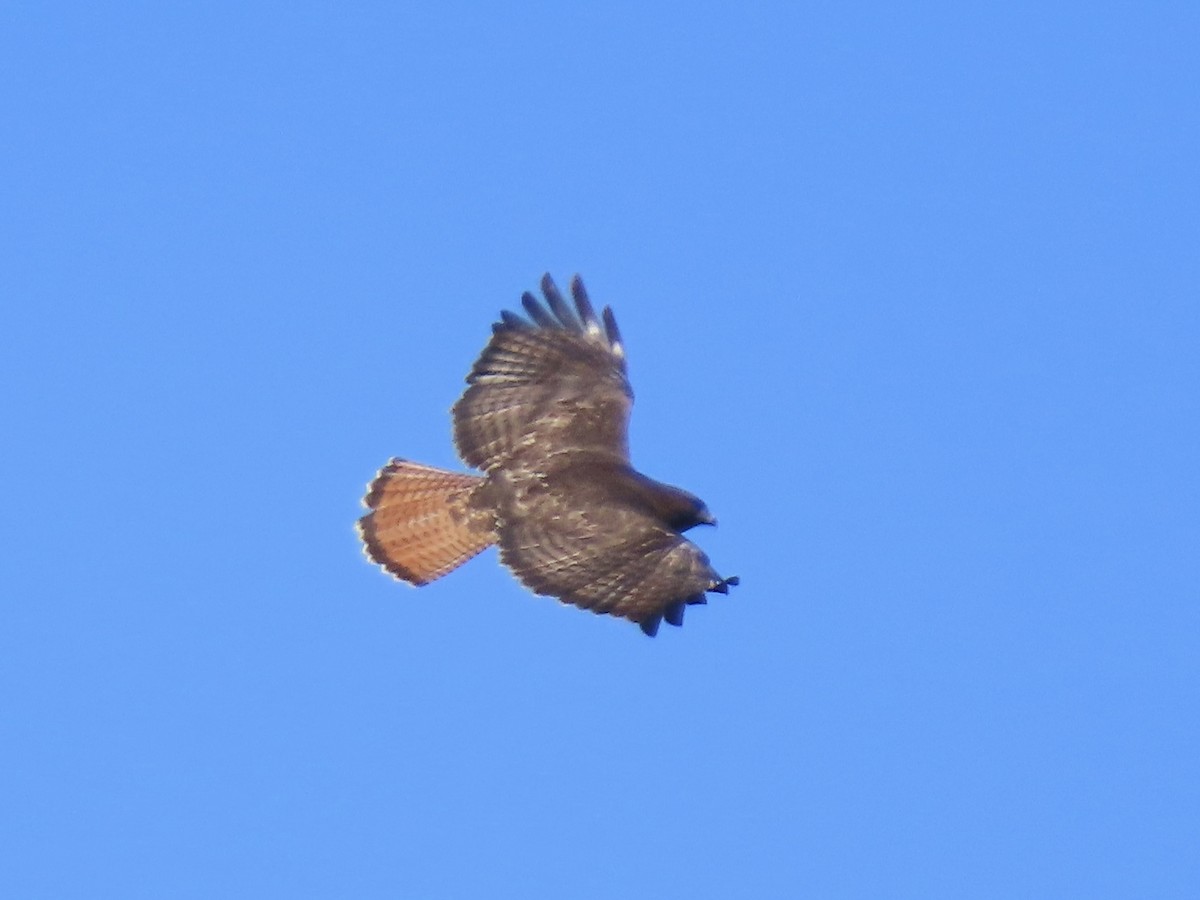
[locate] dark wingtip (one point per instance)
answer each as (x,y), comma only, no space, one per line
(650,626)
(610,328)
(673,614)
(537,312)
(722,586)
(586,313)
(558,305)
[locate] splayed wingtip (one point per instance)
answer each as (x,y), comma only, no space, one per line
(650,626)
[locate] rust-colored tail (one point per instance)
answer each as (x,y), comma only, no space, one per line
(421,525)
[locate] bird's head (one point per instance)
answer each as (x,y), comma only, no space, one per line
(688,511)
(702,516)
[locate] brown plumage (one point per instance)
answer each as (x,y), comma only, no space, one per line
(545,416)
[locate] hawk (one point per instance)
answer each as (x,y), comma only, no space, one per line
(545,417)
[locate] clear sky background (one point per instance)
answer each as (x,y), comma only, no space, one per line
(911,296)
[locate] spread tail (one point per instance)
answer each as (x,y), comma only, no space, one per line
(421,524)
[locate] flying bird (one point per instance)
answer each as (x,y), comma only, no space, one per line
(545,417)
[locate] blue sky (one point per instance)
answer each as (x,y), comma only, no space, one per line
(910,296)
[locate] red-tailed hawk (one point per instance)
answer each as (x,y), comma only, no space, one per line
(546,417)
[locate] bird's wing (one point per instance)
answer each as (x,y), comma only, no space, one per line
(614,560)
(554,381)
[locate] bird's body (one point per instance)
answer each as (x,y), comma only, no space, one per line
(545,416)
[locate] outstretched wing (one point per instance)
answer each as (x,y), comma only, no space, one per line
(554,381)
(609,559)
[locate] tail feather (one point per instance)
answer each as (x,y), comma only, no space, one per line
(421,524)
